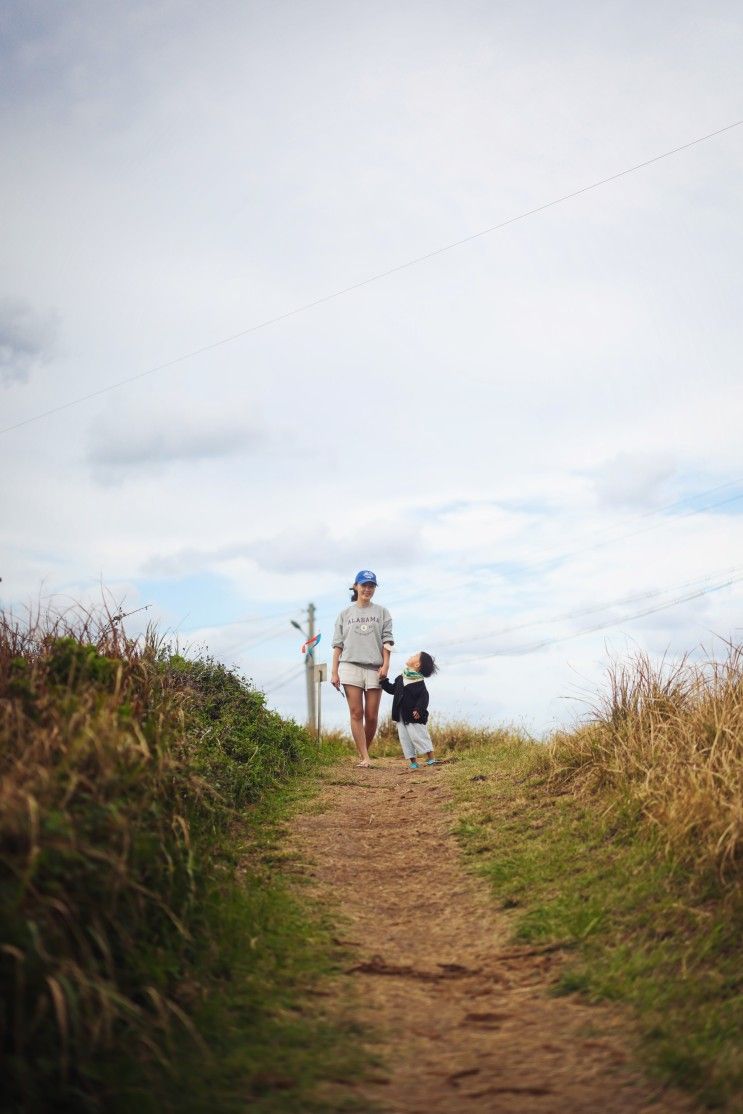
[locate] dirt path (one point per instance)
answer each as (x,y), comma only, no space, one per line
(463,1018)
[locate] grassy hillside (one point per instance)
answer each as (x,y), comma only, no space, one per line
(149,955)
(621,841)
(154,952)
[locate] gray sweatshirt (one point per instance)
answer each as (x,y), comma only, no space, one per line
(361,632)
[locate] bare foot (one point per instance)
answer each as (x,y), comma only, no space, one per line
(363,765)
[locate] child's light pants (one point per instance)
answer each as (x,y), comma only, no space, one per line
(414,739)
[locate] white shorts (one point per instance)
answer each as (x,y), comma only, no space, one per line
(362,676)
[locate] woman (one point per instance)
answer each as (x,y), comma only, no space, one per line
(362,642)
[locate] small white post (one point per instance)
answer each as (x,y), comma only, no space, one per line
(321,674)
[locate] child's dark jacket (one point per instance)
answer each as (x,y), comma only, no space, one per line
(407,699)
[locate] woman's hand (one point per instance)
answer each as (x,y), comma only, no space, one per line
(416,714)
(385,666)
(335,681)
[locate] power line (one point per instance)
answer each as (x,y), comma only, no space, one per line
(239,647)
(685,498)
(284,675)
(373,278)
(265,636)
(545,562)
(574,614)
(241,622)
(519,651)
(294,677)
(534,565)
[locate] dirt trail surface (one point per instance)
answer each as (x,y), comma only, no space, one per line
(462,1019)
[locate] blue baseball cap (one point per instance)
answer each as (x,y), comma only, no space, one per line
(365,576)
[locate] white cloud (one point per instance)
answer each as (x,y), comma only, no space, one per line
(488,430)
(305,550)
(27,339)
(637,481)
(129,443)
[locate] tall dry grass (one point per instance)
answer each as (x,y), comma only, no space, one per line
(121,767)
(669,736)
(448,737)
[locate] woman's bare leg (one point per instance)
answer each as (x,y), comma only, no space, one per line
(355,697)
(371,715)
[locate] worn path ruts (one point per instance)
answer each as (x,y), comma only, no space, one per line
(462,1018)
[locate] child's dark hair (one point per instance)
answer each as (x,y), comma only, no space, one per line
(428,665)
(354,594)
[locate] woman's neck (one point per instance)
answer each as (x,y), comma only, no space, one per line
(363,603)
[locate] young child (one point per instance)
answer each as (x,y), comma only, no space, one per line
(410,707)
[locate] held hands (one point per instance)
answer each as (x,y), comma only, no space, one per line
(382,673)
(416,714)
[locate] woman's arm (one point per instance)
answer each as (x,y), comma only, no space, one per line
(334,678)
(337,651)
(387,636)
(387,643)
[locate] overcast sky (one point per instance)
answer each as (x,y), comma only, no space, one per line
(541,426)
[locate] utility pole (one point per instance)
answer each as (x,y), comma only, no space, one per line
(309,667)
(309,672)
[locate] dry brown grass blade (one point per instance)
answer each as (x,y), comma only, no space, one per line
(61,1013)
(19,989)
(670,736)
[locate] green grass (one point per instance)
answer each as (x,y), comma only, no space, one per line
(638,927)
(156,951)
(259,1034)
(266,972)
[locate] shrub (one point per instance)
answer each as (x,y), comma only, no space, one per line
(122,765)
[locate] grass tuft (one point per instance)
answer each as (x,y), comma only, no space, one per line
(670,738)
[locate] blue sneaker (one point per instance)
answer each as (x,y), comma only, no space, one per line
(413,766)
(430,761)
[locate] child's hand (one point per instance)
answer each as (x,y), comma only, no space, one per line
(416,714)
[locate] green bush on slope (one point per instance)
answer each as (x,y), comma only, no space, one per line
(122,770)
